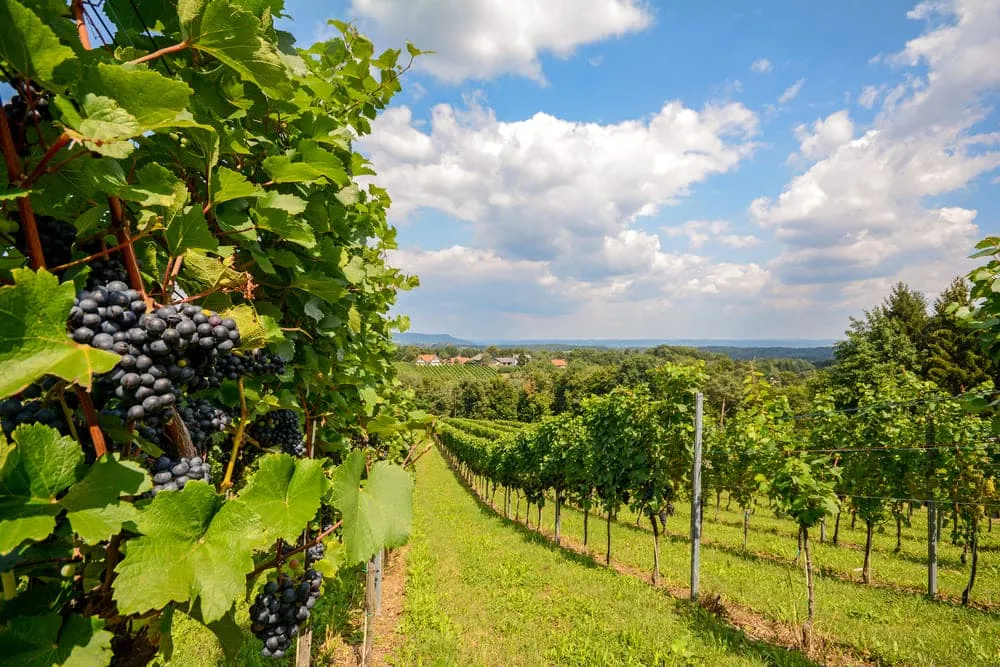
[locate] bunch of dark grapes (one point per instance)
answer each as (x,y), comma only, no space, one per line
(259,362)
(104,271)
(57,238)
(173,474)
(280,428)
(15,411)
(315,553)
(281,608)
(29,106)
(160,352)
(203,419)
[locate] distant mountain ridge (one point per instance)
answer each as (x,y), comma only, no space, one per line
(431,339)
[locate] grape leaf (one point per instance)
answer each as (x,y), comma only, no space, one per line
(153,100)
(212,272)
(234,37)
(316,164)
(285,493)
(255,331)
(193,545)
(379,514)
(229,184)
(156,186)
(33,472)
(325,288)
(190,230)
(43,641)
(33,339)
(95,508)
(287,203)
(106,127)
(292,229)
(31,47)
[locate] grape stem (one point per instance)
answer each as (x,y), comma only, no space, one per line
(98,255)
(166,50)
(81,24)
(68,414)
(39,170)
(92,426)
(285,556)
(128,250)
(178,433)
(227,482)
(14,175)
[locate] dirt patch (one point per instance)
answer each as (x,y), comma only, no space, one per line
(387,636)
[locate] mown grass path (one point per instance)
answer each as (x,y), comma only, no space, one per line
(483,590)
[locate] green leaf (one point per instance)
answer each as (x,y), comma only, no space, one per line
(285,493)
(293,230)
(229,184)
(44,641)
(287,203)
(11,195)
(234,37)
(354,270)
(107,127)
(156,186)
(255,331)
(32,48)
(94,504)
(327,289)
(33,472)
(211,271)
(376,516)
(33,338)
(193,545)
(316,164)
(151,99)
(189,230)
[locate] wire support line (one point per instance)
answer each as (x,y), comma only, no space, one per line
(954,446)
(941,502)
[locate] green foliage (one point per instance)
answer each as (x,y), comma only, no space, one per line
(218,171)
(802,488)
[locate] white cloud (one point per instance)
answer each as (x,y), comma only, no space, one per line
(860,215)
(791,92)
(546,188)
(699,232)
(482,39)
(827,135)
(869,95)
(761,65)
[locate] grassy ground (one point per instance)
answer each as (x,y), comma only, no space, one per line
(894,626)
(482,590)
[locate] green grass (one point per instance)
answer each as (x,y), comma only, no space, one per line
(898,627)
(482,590)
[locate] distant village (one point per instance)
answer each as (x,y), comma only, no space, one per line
(479,360)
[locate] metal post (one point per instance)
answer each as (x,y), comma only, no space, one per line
(932,540)
(696,500)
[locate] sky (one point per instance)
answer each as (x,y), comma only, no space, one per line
(679,169)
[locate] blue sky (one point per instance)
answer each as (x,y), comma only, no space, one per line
(617,168)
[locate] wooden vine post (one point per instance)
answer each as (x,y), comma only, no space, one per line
(696,499)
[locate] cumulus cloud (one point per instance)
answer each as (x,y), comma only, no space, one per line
(860,212)
(482,39)
(791,92)
(761,65)
(545,188)
(826,135)
(699,232)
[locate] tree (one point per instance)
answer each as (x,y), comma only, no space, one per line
(955,360)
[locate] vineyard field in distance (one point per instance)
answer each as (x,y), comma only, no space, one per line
(457,372)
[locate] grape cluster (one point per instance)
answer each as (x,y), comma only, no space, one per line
(280,428)
(172,474)
(160,351)
(21,114)
(15,411)
(258,362)
(203,419)
(57,238)
(315,552)
(104,271)
(281,608)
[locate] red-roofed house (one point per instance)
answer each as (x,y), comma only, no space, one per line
(559,363)
(427,360)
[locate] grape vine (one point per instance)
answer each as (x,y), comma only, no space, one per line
(194,318)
